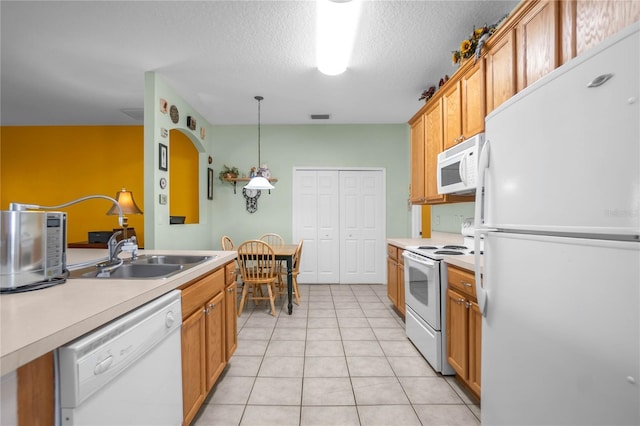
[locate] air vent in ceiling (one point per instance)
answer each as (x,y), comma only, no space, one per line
(136,113)
(320,116)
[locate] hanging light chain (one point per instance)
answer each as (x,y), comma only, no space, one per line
(259,98)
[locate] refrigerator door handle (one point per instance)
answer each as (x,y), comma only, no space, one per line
(483,165)
(480,230)
(481,292)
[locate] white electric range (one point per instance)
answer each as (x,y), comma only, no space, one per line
(425,295)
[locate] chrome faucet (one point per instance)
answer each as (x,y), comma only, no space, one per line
(116,247)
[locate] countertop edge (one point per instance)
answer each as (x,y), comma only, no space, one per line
(16,307)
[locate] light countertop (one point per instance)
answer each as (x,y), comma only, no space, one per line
(34,323)
(440,238)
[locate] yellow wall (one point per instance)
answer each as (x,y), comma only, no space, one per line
(50,165)
(183,177)
(426,221)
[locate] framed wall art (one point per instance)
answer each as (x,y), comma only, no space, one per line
(163,158)
(209,183)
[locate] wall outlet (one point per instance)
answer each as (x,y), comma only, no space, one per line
(437,219)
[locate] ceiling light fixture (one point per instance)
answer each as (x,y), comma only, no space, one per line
(259,182)
(337,21)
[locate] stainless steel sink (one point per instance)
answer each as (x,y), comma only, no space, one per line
(171,259)
(144,267)
(129,271)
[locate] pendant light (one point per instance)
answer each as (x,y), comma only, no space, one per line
(259,182)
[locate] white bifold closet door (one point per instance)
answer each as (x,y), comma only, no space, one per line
(340,216)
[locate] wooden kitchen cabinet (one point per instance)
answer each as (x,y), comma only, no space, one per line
(537,39)
(392,274)
(36,392)
(452,115)
(472,106)
(395,277)
(433,147)
(230,310)
(500,69)
(194,386)
(464,328)
(203,339)
(401,299)
(215,339)
(417,160)
(464,104)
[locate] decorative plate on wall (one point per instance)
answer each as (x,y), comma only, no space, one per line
(173,112)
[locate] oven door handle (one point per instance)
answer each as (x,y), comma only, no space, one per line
(418,259)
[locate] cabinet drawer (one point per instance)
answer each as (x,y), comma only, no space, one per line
(392,251)
(461,280)
(197,294)
(230,272)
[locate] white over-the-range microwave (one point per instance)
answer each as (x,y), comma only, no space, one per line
(458,166)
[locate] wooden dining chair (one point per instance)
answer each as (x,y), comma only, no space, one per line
(257,263)
(274,240)
(295,271)
(226,243)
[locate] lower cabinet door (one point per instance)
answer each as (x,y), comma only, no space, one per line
(231,322)
(457,323)
(401,298)
(475,347)
(215,342)
(193,364)
(392,281)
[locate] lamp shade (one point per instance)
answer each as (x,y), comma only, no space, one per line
(259,182)
(126,202)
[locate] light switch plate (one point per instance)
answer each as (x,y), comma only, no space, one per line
(163,198)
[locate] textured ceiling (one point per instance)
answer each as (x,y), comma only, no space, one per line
(83,62)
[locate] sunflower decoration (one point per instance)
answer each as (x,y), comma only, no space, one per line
(473,45)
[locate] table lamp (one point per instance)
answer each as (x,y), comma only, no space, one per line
(128,205)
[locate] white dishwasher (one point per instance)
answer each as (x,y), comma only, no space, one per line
(127,372)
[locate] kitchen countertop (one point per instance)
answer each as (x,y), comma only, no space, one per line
(34,323)
(467,262)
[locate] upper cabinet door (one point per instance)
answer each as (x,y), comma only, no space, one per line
(452,115)
(598,19)
(434,144)
(537,41)
(417,160)
(500,65)
(473,100)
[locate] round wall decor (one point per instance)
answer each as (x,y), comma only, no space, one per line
(173,112)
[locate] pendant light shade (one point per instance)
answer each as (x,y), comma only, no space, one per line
(258,181)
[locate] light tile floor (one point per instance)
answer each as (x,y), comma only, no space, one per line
(342,358)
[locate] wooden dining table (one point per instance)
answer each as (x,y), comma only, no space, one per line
(286,253)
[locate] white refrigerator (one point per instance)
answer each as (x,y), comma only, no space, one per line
(559,211)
